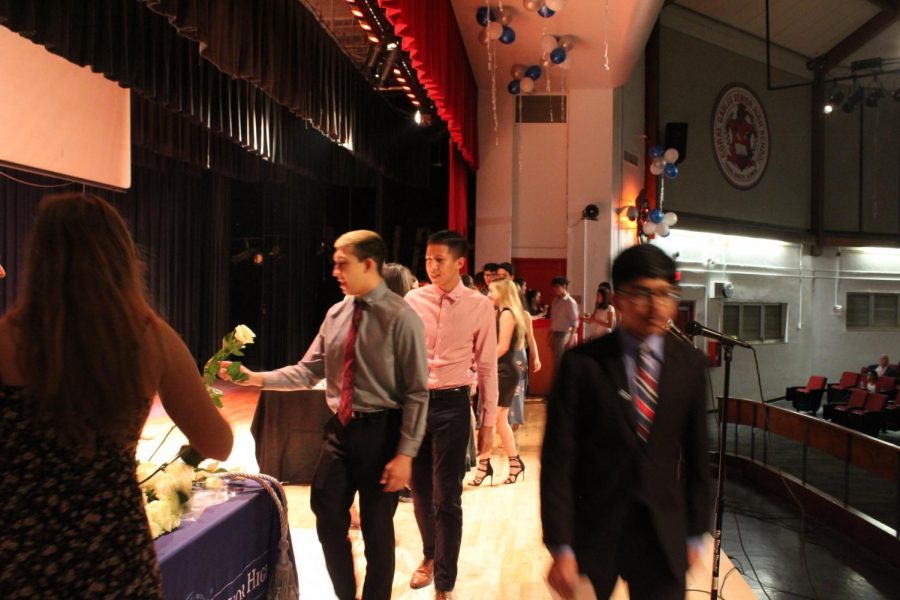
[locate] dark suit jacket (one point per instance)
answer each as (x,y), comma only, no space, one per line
(593,465)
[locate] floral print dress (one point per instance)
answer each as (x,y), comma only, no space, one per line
(71,526)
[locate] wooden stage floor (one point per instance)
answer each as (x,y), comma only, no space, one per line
(502,555)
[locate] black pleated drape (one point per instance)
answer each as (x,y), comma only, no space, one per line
(283,89)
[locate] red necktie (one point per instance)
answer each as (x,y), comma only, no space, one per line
(345,409)
(646,394)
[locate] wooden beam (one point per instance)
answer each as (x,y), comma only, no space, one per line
(856,40)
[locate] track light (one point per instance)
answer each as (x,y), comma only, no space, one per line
(835,97)
(389,60)
(855,97)
(874,96)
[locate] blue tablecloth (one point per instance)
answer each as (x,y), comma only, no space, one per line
(229,553)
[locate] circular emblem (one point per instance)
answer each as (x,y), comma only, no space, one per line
(740,136)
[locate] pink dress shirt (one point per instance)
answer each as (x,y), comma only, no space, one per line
(460,330)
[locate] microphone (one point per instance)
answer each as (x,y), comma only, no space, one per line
(679,334)
(695,328)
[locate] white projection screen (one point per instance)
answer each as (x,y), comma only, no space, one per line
(59,119)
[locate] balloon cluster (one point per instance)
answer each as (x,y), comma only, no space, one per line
(664,162)
(556,54)
(545,8)
(523,79)
(495,28)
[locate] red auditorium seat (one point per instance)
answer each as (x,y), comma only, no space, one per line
(868,419)
(887,386)
(838,392)
(837,412)
(808,398)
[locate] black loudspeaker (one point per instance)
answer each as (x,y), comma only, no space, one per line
(676,137)
(590,212)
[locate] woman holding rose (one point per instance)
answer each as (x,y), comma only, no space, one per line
(81,356)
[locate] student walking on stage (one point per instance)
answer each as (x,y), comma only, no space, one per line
(511,333)
(371,352)
(624,467)
(460,332)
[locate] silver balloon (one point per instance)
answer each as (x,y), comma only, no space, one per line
(546,62)
(567,42)
(549,43)
(662,230)
(494,30)
(483,37)
(649,228)
(506,18)
(670,219)
(531,4)
(555,5)
(526,85)
(517,71)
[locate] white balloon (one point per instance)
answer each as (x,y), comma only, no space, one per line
(670,218)
(517,71)
(566,64)
(662,230)
(532,4)
(567,42)
(649,228)
(547,63)
(671,155)
(483,37)
(555,5)
(526,85)
(494,30)
(549,43)
(506,18)
(656,169)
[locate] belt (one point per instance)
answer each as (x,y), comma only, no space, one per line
(372,414)
(449,392)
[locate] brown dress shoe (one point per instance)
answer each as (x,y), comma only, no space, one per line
(423,575)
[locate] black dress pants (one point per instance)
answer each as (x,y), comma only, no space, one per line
(353,459)
(642,563)
(437,476)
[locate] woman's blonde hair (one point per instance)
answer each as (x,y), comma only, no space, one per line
(508,293)
(81,315)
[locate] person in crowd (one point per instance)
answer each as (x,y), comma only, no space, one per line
(534,303)
(82,355)
(563,319)
(511,332)
(871,380)
(505,270)
(467,281)
(603,319)
(371,351)
(398,278)
(625,488)
(490,272)
(522,284)
(461,335)
(479,282)
(529,356)
(883,368)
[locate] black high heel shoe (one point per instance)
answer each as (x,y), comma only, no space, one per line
(514,476)
(484,470)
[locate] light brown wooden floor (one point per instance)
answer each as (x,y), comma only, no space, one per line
(502,555)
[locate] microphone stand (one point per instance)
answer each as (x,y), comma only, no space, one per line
(728,349)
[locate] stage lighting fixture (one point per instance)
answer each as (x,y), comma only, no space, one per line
(835,97)
(874,96)
(828,108)
(390,59)
(372,57)
(850,103)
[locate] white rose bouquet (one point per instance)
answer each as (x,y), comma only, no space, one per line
(232,344)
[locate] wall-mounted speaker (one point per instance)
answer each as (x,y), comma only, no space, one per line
(724,289)
(591,212)
(676,137)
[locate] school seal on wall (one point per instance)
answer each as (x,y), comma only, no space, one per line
(740,136)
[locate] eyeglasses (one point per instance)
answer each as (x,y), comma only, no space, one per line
(642,295)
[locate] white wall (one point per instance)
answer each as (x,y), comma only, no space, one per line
(494,195)
(772,271)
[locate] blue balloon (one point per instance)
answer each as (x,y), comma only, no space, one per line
(671,170)
(508,36)
(546,12)
(534,72)
(656,215)
(513,87)
(484,16)
(657,151)
(558,55)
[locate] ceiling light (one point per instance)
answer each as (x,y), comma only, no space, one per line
(400,79)
(850,103)
(374,39)
(357,13)
(365,26)
(874,96)
(418,117)
(828,108)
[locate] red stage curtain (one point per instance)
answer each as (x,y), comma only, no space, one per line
(459,197)
(431,36)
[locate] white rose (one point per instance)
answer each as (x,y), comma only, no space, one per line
(143,472)
(164,485)
(243,334)
(183,474)
(213,483)
(155,530)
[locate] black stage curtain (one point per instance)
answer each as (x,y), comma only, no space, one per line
(287,92)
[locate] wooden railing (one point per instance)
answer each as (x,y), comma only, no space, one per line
(851,448)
